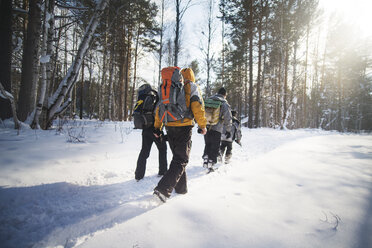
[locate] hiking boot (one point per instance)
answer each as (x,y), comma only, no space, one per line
(181,192)
(205,162)
(210,164)
(159,195)
(227,159)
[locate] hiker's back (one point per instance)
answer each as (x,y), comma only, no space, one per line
(143,114)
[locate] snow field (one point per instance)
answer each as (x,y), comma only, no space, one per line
(301,188)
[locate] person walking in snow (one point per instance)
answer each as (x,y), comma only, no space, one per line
(218,114)
(179,130)
(226,142)
(144,119)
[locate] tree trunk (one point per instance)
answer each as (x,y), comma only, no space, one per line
(304,96)
(127,73)
(223,42)
(246,98)
(292,100)
(177,37)
(82,91)
(43,64)
(135,73)
(258,97)
(285,90)
(30,63)
(209,59)
(161,40)
(5,55)
(110,83)
(250,105)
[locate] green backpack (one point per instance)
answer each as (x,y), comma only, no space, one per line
(212,111)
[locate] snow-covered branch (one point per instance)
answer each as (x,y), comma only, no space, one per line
(6,95)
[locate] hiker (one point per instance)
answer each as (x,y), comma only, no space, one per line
(180,102)
(218,115)
(143,116)
(226,142)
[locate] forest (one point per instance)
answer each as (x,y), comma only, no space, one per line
(283,62)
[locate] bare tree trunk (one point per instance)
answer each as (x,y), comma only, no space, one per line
(110,83)
(30,63)
(223,42)
(127,73)
(246,98)
(82,90)
(56,102)
(293,101)
(161,40)
(258,97)
(135,72)
(322,83)
(6,55)
(44,62)
(304,120)
(177,37)
(50,67)
(285,90)
(209,58)
(340,120)
(121,79)
(103,77)
(250,110)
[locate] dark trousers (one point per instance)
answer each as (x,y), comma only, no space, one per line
(147,139)
(228,146)
(179,139)
(212,145)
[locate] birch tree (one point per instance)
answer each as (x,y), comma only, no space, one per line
(58,102)
(45,61)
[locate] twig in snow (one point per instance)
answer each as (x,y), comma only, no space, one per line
(335,223)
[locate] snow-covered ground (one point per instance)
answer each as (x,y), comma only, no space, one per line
(301,188)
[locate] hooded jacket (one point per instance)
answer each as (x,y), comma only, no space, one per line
(224,124)
(194,101)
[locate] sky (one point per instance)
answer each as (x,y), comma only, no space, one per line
(194,21)
(356,11)
(283,188)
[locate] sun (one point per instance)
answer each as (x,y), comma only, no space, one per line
(356,12)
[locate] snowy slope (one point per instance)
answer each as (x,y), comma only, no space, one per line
(302,188)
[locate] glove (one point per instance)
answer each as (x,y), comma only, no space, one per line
(238,142)
(228,135)
(201,131)
(157,132)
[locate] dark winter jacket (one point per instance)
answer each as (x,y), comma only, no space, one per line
(236,132)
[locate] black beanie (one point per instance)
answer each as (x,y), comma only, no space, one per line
(222,91)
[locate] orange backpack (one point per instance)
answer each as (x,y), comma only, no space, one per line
(172,101)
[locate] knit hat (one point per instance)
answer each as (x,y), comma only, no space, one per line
(222,91)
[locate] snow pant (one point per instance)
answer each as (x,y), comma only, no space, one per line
(147,139)
(179,139)
(212,145)
(228,146)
